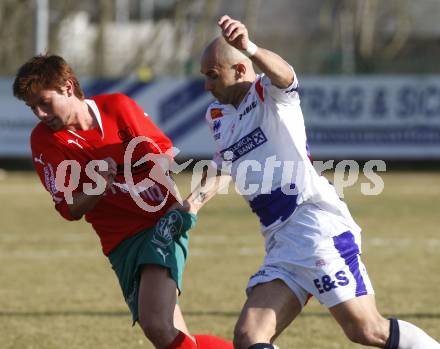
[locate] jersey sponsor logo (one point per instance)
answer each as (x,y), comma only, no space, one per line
(245,145)
(327,283)
(152,193)
(216,113)
(248,108)
(76,142)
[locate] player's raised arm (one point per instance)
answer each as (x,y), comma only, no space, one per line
(271,64)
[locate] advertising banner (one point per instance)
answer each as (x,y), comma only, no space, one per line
(377,117)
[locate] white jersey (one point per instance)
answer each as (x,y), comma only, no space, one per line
(263,143)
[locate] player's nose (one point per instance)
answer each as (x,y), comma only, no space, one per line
(39,112)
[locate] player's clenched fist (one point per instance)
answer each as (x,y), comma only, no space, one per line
(234,32)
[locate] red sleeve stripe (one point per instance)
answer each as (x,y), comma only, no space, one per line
(259,89)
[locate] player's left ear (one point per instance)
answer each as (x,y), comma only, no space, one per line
(240,71)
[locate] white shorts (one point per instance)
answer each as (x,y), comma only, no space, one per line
(315,253)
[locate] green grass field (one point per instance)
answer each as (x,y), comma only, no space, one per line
(57,289)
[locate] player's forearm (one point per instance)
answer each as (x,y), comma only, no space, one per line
(201,195)
(275,67)
(83,203)
(206,190)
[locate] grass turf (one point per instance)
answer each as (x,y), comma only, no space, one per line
(57,289)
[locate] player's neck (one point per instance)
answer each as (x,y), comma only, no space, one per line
(83,118)
(242,90)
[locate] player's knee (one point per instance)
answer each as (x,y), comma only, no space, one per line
(156,330)
(363,333)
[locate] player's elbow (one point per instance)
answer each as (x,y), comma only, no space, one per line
(285,76)
(74,215)
(67,213)
(285,80)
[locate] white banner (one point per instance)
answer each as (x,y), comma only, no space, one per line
(16,123)
(373,117)
(379,117)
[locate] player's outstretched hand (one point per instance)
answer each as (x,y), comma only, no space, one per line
(234,32)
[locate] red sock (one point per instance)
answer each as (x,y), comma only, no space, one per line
(205,341)
(182,341)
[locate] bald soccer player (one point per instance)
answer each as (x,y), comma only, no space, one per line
(313,245)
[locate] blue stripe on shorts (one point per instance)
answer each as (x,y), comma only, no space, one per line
(349,251)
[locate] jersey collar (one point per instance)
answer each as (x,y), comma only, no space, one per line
(91,103)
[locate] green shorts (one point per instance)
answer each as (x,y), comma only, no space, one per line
(164,244)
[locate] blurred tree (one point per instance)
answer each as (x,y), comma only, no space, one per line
(106,10)
(204,29)
(59,10)
(366,32)
(251,12)
(384,28)
(16,34)
(167,36)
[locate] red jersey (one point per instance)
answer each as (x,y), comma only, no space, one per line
(116,216)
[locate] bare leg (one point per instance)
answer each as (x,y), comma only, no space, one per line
(363,324)
(361,321)
(157,306)
(269,309)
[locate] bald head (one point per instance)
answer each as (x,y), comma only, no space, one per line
(228,73)
(222,53)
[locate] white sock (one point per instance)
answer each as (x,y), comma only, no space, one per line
(412,337)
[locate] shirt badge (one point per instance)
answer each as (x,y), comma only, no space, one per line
(216,113)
